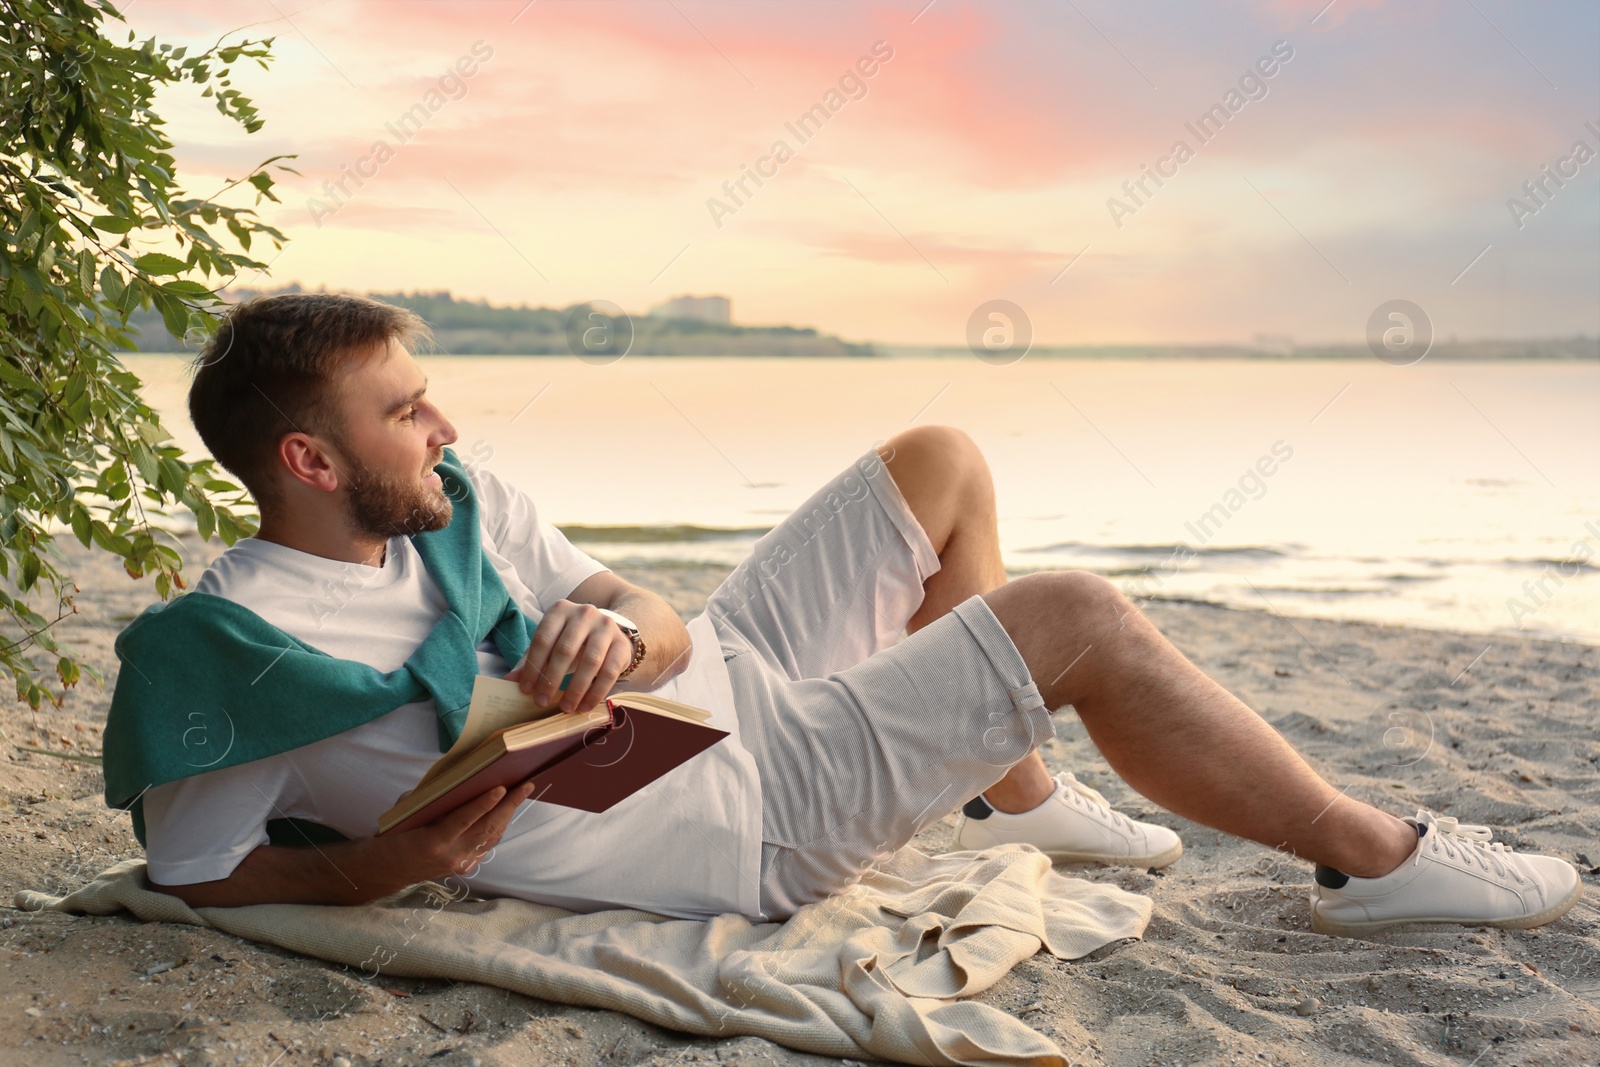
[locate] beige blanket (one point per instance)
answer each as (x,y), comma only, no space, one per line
(874,972)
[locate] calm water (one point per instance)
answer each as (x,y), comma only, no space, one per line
(1457,496)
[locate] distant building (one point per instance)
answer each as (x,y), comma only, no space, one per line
(702,308)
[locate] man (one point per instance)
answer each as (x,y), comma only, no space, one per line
(320,667)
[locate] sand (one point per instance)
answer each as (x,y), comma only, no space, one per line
(1497,730)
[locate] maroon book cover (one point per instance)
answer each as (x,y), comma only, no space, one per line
(592,770)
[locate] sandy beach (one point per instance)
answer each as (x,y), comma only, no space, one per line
(1497,730)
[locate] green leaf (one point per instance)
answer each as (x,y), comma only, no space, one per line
(29,227)
(160,263)
(112,224)
(130,297)
(81,525)
(145,459)
(111,283)
(113,543)
(205,518)
(173,313)
(150,431)
(171,476)
(30,571)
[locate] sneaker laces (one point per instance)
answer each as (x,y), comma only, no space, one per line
(1470,841)
(1069,781)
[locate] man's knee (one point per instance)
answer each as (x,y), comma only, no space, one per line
(942,474)
(1048,602)
(932,449)
(929,437)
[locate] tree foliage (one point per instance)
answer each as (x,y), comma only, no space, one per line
(94,226)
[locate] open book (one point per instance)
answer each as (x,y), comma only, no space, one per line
(589,760)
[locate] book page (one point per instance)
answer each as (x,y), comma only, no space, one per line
(661,706)
(496,704)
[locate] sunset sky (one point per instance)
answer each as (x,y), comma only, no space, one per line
(580,159)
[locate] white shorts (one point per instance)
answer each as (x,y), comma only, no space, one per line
(862,737)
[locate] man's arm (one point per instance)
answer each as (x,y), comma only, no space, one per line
(355,872)
(665,636)
(574,638)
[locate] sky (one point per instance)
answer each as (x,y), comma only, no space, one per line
(1358,152)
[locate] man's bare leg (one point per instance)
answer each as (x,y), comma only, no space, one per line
(946,482)
(1171,732)
(1178,737)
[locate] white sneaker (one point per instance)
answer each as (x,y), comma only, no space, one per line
(1075,824)
(1455,876)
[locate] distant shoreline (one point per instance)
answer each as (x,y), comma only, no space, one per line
(475,328)
(1563,349)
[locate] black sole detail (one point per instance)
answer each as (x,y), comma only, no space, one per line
(1328,878)
(977,808)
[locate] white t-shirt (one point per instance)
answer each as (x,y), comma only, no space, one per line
(688,845)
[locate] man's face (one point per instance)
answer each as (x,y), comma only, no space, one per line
(391,439)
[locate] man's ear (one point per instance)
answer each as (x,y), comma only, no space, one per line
(307,460)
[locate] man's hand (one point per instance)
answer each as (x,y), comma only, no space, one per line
(452,844)
(355,872)
(576,639)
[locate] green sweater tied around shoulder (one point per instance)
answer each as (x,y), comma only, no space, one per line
(206,683)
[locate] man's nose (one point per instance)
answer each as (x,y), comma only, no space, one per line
(445,434)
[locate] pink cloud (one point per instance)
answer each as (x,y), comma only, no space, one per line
(633,98)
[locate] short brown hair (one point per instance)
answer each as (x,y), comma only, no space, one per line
(272,368)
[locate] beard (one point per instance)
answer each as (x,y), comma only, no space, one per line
(384,504)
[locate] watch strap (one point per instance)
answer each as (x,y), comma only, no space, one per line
(627,626)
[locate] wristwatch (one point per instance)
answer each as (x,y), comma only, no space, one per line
(633,635)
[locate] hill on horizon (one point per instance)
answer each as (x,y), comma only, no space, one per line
(478,328)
